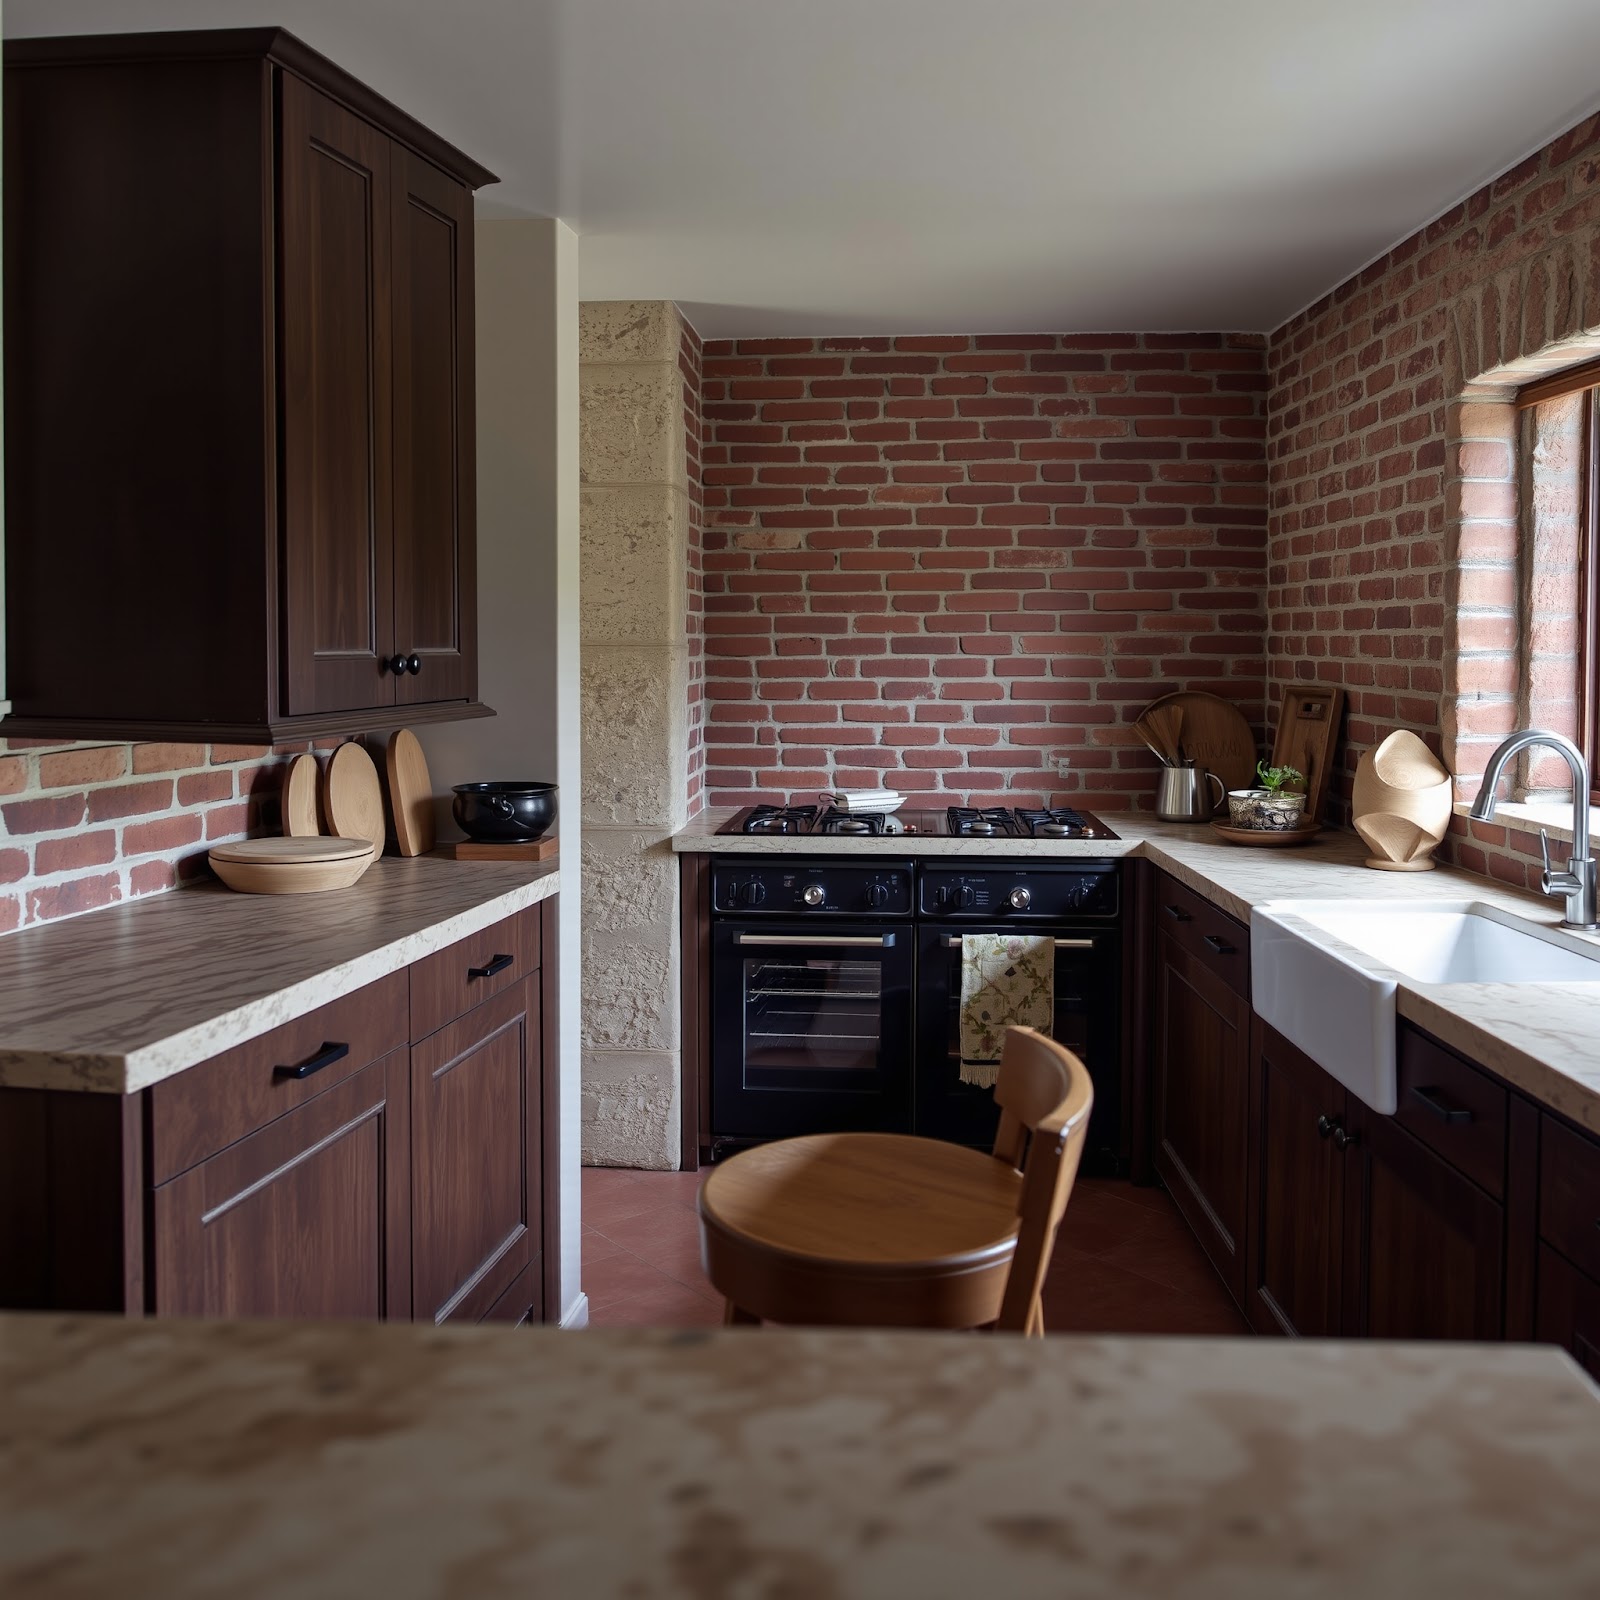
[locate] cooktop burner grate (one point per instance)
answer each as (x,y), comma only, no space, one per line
(779,819)
(994,822)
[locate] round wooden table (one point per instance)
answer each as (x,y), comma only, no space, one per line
(864,1229)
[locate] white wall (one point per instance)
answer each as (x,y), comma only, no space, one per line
(527,353)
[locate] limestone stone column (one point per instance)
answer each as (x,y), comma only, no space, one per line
(634,523)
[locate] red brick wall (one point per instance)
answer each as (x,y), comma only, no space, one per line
(84,826)
(690,357)
(952,563)
(1393,529)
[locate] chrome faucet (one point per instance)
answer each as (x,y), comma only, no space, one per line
(1577,883)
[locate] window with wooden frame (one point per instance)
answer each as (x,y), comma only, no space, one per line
(1559,499)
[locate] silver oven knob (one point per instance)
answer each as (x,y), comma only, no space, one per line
(813,894)
(1019,899)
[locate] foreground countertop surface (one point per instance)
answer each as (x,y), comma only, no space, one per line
(120,999)
(274,1459)
(1543,1037)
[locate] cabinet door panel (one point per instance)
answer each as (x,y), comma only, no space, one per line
(335,243)
(435,598)
(1296,1235)
(1427,1246)
(1569,1310)
(306,1218)
(1202,1044)
(475,1156)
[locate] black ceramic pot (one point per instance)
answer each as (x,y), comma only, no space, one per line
(504,813)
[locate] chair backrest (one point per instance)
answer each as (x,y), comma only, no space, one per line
(1045,1095)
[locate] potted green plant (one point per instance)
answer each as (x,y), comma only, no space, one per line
(1275,805)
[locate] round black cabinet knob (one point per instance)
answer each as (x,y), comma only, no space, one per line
(1020,899)
(813,894)
(413,664)
(395,664)
(877,895)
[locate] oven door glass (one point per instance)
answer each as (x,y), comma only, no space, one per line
(1087,1013)
(811,1030)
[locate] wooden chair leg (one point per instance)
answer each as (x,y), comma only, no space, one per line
(737,1317)
(1036,1321)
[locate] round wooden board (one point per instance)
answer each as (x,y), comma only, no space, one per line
(410,794)
(296,851)
(301,816)
(1215,736)
(1267,836)
(352,796)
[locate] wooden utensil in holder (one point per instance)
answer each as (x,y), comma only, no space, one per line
(1402,803)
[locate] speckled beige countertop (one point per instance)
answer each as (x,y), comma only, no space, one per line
(265,1460)
(1544,1037)
(120,999)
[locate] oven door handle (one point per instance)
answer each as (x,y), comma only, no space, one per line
(954,943)
(883,941)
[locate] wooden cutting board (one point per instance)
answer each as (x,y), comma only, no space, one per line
(1214,735)
(352,796)
(301,819)
(1308,729)
(410,794)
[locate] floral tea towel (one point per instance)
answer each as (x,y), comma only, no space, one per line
(1006,981)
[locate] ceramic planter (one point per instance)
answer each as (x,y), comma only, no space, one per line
(1269,810)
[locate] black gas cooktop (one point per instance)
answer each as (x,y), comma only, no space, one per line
(956,822)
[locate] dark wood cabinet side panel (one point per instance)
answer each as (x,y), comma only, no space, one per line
(138,409)
(1138,1007)
(547,1197)
(1295,1245)
(475,1116)
(1569,1310)
(297,1220)
(435,546)
(1522,1219)
(336,339)
(695,944)
(71,1201)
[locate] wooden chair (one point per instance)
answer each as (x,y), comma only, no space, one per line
(887,1230)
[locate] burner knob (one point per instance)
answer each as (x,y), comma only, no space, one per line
(813,894)
(1019,899)
(751,894)
(965,898)
(877,895)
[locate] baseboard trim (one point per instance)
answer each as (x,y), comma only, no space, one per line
(577,1314)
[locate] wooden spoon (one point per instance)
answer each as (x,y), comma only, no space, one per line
(1167,723)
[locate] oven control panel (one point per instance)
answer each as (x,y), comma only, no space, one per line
(1020,894)
(769,888)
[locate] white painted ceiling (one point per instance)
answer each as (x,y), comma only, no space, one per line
(855,166)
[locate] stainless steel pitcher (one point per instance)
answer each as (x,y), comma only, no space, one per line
(1181,794)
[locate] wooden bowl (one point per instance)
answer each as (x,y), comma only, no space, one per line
(292,866)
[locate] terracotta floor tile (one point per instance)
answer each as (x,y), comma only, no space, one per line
(1125,1261)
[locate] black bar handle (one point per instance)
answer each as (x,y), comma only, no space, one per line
(1430,1099)
(325,1057)
(498,964)
(1220,945)
(1178,914)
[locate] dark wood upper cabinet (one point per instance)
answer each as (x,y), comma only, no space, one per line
(239,370)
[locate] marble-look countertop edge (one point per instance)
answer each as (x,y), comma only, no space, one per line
(1502,1027)
(104,1072)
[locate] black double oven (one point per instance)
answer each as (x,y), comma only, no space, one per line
(836,990)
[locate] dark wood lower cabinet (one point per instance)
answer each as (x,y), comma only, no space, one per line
(347,1164)
(1424,1245)
(1296,1233)
(306,1218)
(475,1163)
(1201,1072)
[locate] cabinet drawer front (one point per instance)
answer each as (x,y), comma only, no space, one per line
(306,1218)
(1569,1195)
(1212,937)
(451,982)
(211,1106)
(1454,1109)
